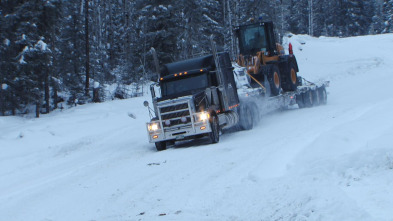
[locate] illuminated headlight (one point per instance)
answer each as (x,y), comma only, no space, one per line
(203,116)
(153,126)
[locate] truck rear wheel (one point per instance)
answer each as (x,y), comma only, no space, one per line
(274,79)
(161,145)
(214,136)
(246,118)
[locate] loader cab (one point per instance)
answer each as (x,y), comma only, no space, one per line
(256,37)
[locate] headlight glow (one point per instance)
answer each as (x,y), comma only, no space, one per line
(153,127)
(203,116)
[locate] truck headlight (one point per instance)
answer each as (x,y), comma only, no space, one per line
(153,127)
(203,116)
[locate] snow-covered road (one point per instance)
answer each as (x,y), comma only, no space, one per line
(332,162)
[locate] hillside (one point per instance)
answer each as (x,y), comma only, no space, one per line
(332,162)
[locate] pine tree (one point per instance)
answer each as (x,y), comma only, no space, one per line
(388,16)
(299,17)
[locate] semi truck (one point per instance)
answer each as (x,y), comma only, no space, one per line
(202,96)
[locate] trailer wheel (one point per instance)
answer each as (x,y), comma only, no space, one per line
(315,96)
(246,118)
(161,145)
(299,100)
(214,136)
(308,99)
(274,80)
(322,95)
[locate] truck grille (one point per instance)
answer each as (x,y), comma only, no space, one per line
(174,113)
(174,107)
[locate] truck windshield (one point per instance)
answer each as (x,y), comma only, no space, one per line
(183,85)
(252,39)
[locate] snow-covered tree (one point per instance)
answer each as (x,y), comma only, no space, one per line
(388,16)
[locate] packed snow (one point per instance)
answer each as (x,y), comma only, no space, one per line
(331,162)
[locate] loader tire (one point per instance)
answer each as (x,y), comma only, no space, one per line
(214,135)
(274,79)
(300,101)
(246,118)
(160,146)
(291,78)
(322,95)
(308,99)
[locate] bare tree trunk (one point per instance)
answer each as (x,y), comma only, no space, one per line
(46,90)
(87,48)
(2,99)
(96,97)
(109,34)
(55,97)
(230,29)
(310,18)
(127,31)
(37,109)
(13,105)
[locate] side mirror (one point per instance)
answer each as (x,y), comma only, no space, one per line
(145,103)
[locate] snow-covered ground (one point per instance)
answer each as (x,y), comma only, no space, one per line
(332,162)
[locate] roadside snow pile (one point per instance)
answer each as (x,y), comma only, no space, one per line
(332,162)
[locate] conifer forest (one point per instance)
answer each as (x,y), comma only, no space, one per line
(68,51)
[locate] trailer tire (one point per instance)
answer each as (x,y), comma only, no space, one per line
(274,79)
(300,101)
(246,118)
(214,135)
(308,99)
(160,146)
(315,96)
(322,95)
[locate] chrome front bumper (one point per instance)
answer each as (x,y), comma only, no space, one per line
(178,132)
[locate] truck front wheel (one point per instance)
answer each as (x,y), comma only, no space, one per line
(214,136)
(161,145)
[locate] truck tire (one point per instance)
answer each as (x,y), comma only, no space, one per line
(322,95)
(255,114)
(246,118)
(160,145)
(214,136)
(300,101)
(308,99)
(274,79)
